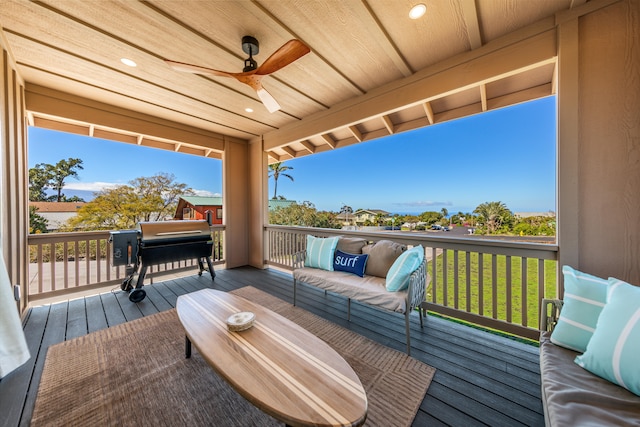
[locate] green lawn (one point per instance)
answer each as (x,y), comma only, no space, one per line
(501,288)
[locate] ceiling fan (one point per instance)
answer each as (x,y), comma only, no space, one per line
(252,74)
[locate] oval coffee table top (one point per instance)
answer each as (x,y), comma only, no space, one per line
(278,366)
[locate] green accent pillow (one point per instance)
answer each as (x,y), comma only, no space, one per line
(401,269)
(614,348)
(320,251)
(584,297)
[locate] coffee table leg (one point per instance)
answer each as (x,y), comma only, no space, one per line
(187,347)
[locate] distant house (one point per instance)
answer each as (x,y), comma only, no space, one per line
(56,213)
(196,207)
(363,215)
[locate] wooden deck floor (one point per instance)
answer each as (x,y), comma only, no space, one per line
(481,378)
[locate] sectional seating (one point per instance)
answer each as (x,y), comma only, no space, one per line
(590,353)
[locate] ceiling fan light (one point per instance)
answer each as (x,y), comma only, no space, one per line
(417,11)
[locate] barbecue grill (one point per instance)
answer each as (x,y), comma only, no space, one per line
(156,243)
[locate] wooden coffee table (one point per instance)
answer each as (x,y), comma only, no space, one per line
(276,365)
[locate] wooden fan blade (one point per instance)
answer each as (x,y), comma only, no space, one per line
(268,100)
(181,66)
(288,53)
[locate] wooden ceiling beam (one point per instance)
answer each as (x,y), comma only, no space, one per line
(356,133)
(483,97)
(274,156)
(470,16)
(330,141)
(308,146)
(428,110)
(483,65)
(290,151)
(388,124)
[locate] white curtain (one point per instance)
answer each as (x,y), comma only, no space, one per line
(13,346)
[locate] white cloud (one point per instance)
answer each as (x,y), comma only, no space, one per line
(206,193)
(90,186)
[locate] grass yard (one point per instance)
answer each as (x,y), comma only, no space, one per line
(502,281)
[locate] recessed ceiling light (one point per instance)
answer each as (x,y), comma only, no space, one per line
(417,11)
(128,62)
(248,110)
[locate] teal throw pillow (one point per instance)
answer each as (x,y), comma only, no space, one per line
(401,269)
(613,350)
(584,297)
(320,252)
(351,263)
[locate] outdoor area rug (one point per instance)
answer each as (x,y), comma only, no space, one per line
(135,374)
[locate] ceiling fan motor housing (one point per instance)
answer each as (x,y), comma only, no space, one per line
(251,47)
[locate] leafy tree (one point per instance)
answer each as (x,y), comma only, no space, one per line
(144,199)
(430,217)
(346,210)
(37,223)
(305,215)
(38,181)
(44,176)
(493,215)
(275,170)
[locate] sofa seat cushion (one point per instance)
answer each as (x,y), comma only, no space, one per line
(574,396)
(367,289)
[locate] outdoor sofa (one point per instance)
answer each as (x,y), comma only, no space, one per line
(589,353)
(384,274)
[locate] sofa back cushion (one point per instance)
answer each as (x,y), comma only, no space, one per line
(584,297)
(402,268)
(320,252)
(351,245)
(382,255)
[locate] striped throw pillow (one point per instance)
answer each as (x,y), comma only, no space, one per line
(614,348)
(584,297)
(320,252)
(400,272)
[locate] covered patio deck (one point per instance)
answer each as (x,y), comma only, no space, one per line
(481,378)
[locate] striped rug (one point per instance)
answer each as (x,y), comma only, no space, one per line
(135,374)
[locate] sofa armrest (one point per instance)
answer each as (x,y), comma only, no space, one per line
(549,314)
(417,286)
(298,259)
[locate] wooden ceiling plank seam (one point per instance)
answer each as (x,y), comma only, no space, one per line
(428,110)
(356,133)
(470,16)
(290,151)
(483,96)
(267,12)
(518,57)
(327,138)
(391,49)
(388,124)
(308,146)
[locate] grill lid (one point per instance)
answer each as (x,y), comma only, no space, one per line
(181,230)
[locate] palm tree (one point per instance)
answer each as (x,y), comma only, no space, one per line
(493,214)
(275,170)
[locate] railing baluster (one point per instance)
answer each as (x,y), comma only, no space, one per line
(508,287)
(445,280)
(456,279)
(468,276)
(52,264)
(480,284)
(523,290)
(494,286)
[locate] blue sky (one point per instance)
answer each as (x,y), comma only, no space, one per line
(506,155)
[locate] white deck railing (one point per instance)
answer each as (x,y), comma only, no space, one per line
(67,262)
(493,283)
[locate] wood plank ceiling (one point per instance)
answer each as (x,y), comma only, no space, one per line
(70,50)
